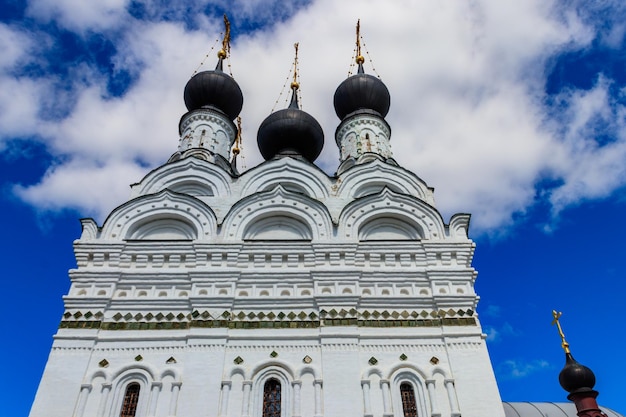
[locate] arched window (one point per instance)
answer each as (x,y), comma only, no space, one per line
(131,399)
(271,398)
(409,407)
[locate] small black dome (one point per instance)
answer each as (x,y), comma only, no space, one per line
(290,129)
(215,89)
(574,376)
(361,91)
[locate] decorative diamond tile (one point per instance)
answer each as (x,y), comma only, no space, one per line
(307,359)
(117,317)
(313,316)
(138,358)
(128,316)
(470,312)
(195,314)
(88,315)
(226,314)
(271,315)
(353,311)
(159,316)
(78,315)
(291,315)
(451,312)
(103,363)
(241,315)
(205,315)
(138,316)
(67,315)
(149,316)
(99,315)
(460,313)
(403,357)
(261,315)
(405,314)
(385,314)
(281,315)
(424,314)
(302,315)
(365,314)
(171,360)
(180,316)
(323,313)
(395,314)
(342,313)
(434,360)
(238,360)
(433,314)
(333,313)
(376,314)
(274,354)
(373,361)
(169,316)
(251,315)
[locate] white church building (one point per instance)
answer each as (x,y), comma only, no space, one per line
(277,292)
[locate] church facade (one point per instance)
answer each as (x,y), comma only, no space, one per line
(281,291)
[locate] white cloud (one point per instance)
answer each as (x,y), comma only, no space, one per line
(466,81)
(72,184)
(516,369)
(496,334)
(78,15)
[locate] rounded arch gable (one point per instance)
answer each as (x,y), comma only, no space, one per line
(191,176)
(165,215)
(375,176)
(278,214)
(390,216)
(293,175)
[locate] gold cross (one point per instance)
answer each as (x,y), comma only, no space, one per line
(557,316)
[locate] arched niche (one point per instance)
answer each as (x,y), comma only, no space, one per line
(278,228)
(390,228)
(192,187)
(162,229)
(374,186)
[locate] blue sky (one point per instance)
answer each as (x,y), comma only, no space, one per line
(513,111)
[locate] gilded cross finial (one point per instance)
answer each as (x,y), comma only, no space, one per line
(294,83)
(223,53)
(359,58)
(555,321)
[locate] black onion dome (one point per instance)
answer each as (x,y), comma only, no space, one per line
(361,91)
(574,376)
(216,89)
(290,129)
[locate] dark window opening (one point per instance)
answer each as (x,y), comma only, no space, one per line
(409,407)
(131,399)
(271,399)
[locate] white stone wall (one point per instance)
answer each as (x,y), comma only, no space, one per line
(204,286)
